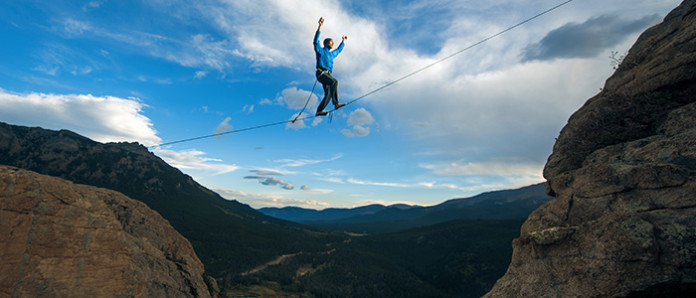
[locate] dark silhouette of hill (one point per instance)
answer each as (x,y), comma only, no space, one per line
(504,204)
(228,236)
(298,214)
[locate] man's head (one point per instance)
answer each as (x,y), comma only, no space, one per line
(328,43)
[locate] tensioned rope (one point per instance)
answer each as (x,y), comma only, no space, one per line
(377,89)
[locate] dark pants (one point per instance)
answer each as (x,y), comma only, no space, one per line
(330,88)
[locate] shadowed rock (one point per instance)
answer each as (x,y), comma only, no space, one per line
(623,172)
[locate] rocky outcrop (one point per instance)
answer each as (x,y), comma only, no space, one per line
(623,172)
(58,238)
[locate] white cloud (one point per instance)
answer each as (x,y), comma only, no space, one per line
(223,127)
(295,99)
(372,183)
(358,131)
(499,168)
(72,27)
(200,74)
(511,173)
(194,160)
(104,119)
(332,180)
(516,181)
(297,121)
(303,162)
(248,109)
(92,5)
(306,188)
(358,119)
(266,200)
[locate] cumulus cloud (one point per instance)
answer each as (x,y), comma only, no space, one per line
(194,160)
(358,119)
(102,118)
(586,40)
(295,99)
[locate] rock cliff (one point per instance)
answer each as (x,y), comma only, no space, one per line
(58,238)
(623,171)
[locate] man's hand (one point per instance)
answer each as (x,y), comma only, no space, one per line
(344,38)
(321,22)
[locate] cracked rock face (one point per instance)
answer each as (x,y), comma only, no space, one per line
(69,240)
(623,172)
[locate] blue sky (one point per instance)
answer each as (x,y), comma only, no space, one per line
(161,71)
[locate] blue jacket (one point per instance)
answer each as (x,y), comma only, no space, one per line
(325,56)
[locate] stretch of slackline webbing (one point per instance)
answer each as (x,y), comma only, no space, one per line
(375,90)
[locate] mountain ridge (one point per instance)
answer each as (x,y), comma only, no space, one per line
(501,204)
(299,214)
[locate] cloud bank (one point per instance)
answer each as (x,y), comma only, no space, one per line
(101,118)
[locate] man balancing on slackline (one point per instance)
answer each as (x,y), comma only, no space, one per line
(325,57)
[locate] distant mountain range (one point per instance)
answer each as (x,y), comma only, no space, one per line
(504,204)
(298,214)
